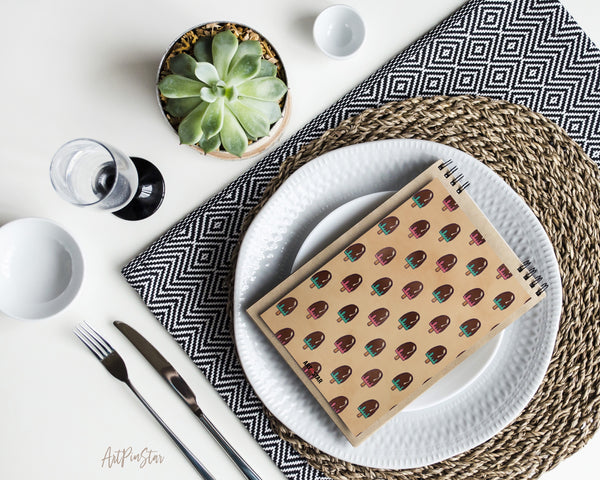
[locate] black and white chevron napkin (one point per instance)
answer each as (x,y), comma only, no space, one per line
(524,51)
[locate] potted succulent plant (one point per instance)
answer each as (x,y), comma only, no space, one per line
(223,88)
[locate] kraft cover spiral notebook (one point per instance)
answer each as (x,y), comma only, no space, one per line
(421,283)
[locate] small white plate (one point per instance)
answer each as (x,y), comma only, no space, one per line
(339,31)
(484,402)
(41,268)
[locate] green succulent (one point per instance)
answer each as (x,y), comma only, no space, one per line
(227,95)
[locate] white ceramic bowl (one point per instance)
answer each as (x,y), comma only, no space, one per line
(41,268)
(339,31)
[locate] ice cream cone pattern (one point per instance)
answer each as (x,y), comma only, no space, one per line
(442,293)
(476,266)
(405,351)
(338,404)
(378,316)
(317,309)
(340,374)
(422,198)
(284,335)
(436,354)
(344,343)
(408,320)
(445,263)
(418,229)
(374,347)
(415,259)
(313,340)
(476,238)
(354,252)
(371,378)
(473,297)
(385,256)
(503,272)
(503,300)
(401,381)
(449,232)
(388,225)
(411,290)
(439,324)
(320,279)
(347,313)
(286,306)
(381,286)
(449,204)
(469,327)
(311,369)
(368,408)
(351,282)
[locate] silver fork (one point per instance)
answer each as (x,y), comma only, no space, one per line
(115,365)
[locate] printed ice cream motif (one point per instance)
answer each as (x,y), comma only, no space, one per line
(311,369)
(503,272)
(439,324)
(422,198)
(469,327)
(449,204)
(412,289)
(317,309)
(320,279)
(436,354)
(371,378)
(442,293)
(313,340)
(415,259)
(473,297)
(338,404)
(476,266)
(347,313)
(381,286)
(284,335)
(368,408)
(418,229)
(449,232)
(408,320)
(503,300)
(351,282)
(377,317)
(405,351)
(385,256)
(476,238)
(340,374)
(445,263)
(374,347)
(354,252)
(286,306)
(388,225)
(344,343)
(402,381)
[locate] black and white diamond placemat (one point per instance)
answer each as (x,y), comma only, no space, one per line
(524,51)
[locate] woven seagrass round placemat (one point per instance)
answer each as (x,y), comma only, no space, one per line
(562,186)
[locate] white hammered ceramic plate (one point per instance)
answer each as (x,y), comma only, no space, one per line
(457,418)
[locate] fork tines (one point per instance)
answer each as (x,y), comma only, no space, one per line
(93,340)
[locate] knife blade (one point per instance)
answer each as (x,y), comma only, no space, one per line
(172,377)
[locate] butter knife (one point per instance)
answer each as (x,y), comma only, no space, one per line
(172,377)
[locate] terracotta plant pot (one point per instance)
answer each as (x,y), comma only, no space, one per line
(185,44)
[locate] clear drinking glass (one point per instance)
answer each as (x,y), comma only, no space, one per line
(89,173)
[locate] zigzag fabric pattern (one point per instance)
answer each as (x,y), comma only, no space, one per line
(525,51)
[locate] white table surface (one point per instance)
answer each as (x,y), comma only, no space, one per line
(73,69)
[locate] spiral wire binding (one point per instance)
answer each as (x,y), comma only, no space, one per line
(455,179)
(530,273)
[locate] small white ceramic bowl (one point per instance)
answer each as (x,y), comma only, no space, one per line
(339,31)
(41,268)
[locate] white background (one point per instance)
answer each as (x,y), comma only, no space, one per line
(73,69)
